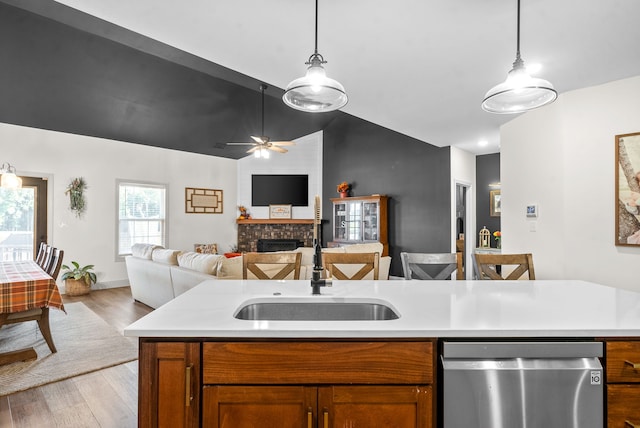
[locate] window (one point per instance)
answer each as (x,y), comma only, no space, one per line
(141,215)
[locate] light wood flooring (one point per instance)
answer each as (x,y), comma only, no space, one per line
(106,398)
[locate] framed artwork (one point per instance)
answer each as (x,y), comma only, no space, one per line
(532,211)
(280,211)
(494,203)
(202,201)
(627,185)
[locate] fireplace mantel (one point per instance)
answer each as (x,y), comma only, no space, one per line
(276,221)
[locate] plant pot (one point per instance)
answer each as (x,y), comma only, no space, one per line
(343,194)
(76,287)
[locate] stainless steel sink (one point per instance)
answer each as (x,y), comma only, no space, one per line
(312,310)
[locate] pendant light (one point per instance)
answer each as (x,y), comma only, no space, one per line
(315,92)
(520,92)
(9,179)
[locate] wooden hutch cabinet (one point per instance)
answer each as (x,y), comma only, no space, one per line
(360,219)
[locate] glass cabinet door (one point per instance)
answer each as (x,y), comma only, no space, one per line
(354,222)
(340,221)
(370,221)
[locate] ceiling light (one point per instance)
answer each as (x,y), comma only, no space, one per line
(9,179)
(483,143)
(520,92)
(315,92)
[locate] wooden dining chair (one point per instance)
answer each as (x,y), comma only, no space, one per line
(271,265)
(42,248)
(486,266)
(431,266)
(45,258)
(56,262)
(336,264)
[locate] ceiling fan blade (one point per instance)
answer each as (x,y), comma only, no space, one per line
(260,140)
(251,150)
(283,143)
(277,149)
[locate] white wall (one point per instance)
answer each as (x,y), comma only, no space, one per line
(463,171)
(303,158)
(91,238)
(562,157)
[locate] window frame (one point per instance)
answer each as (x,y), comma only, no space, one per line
(140,183)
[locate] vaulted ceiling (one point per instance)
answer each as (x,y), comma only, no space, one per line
(417,67)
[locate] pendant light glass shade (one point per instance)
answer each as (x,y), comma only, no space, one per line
(315,92)
(520,92)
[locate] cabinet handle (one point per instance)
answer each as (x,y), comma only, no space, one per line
(187,387)
(309,418)
(631,424)
(635,366)
(325,418)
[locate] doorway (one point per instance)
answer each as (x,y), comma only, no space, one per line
(23,219)
(463,224)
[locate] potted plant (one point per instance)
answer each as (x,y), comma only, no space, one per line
(78,281)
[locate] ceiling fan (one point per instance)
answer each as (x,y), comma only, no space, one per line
(262,144)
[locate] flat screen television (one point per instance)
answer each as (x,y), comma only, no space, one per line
(279,189)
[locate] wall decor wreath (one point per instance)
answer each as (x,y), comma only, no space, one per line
(75,190)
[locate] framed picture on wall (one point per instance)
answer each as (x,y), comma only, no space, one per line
(494,203)
(627,184)
(280,211)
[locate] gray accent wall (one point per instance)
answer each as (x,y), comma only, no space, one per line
(415,175)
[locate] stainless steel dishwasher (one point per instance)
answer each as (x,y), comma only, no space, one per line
(522,385)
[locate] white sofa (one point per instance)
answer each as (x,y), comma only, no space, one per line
(157,275)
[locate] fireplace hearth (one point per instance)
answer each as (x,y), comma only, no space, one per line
(252,230)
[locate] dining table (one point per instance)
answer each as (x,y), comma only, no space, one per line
(24,287)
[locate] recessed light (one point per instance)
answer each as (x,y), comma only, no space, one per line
(483,143)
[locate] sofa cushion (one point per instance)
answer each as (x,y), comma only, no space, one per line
(166,256)
(205,263)
(230,268)
(308,252)
(143,251)
(369,247)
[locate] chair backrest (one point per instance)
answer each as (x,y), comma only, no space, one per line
(42,248)
(487,265)
(56,261)
(335,264)
(271,265)
(431,266)
(46,258)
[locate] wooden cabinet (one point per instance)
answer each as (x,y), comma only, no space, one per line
(360,219)
(623,383)
(321,406)
(169,384)
(318,384)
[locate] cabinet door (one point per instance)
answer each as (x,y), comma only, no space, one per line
(623,406)
(375,406)
(259,406)
(339,221)
(370,224)
(168,391)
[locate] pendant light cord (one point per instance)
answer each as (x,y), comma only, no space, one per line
(518,62)
(316,47)
(262,88)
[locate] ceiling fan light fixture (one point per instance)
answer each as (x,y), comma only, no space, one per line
(315,92)
(519,92)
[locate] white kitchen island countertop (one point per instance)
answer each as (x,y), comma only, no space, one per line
(475,309)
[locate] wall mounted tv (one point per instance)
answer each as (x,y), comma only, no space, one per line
(279,190)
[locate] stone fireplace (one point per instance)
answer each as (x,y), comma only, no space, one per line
(249,231)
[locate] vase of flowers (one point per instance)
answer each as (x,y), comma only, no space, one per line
(343,189)
(497,235)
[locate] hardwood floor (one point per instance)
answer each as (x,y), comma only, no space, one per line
(106,398)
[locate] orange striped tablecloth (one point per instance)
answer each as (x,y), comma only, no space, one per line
(24,285)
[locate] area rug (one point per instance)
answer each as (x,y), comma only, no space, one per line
(85,343)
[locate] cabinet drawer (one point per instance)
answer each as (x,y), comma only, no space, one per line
(318,362)
(623,406)
(620,359)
